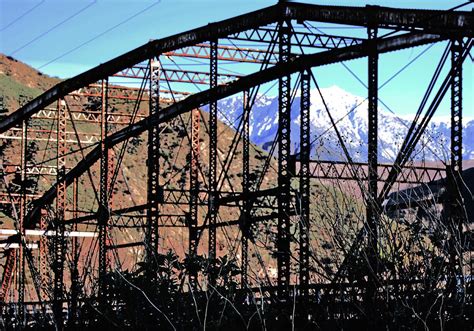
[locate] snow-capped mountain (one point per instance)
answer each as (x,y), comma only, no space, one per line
(350,114)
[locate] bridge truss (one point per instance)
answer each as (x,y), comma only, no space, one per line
(86,131)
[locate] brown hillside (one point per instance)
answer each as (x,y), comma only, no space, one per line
(329,204)
(17,78)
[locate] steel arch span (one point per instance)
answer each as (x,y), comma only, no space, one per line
(154,209)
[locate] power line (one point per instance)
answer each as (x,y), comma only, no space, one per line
(22,15)
(54,27)
(100,34)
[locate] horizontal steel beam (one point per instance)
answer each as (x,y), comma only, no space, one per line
(344,171)
(226,53)
(49,135)
(87,116)
(14,198)
(16,245)
(177,75)
(253,220)
(125,245)
(50,233)
(121,92)
(43,170)
(299,38)
(429,21)
(251,195)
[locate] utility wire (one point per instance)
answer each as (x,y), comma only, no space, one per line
(100,34)
(54,27)
(22,15)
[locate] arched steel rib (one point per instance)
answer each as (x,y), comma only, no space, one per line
(222,91)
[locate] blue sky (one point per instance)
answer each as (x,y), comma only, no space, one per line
(66,37)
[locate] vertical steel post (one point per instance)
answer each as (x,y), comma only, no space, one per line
(3,109)
(456,107)
(43,247)
(455,209)
(284,121)
(59,241)
(74,257)
(305,150)
(194,195)
(103,213)
(8,271)
(110,248)
(372,201)
(153,164)
(21,229)
(212,193)
(245,188)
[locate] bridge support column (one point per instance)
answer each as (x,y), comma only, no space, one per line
(304,212)
(61,196)
(372,199)
(74,271)
(8,273)
(21,254)
(212,193)
(103,212)
(245,188)
(456,216)
(43,261)
(284,121)
(153,166)
(194,197)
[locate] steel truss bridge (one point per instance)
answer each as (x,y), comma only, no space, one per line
(84,130)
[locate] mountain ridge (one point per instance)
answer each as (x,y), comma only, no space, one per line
(350,114)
